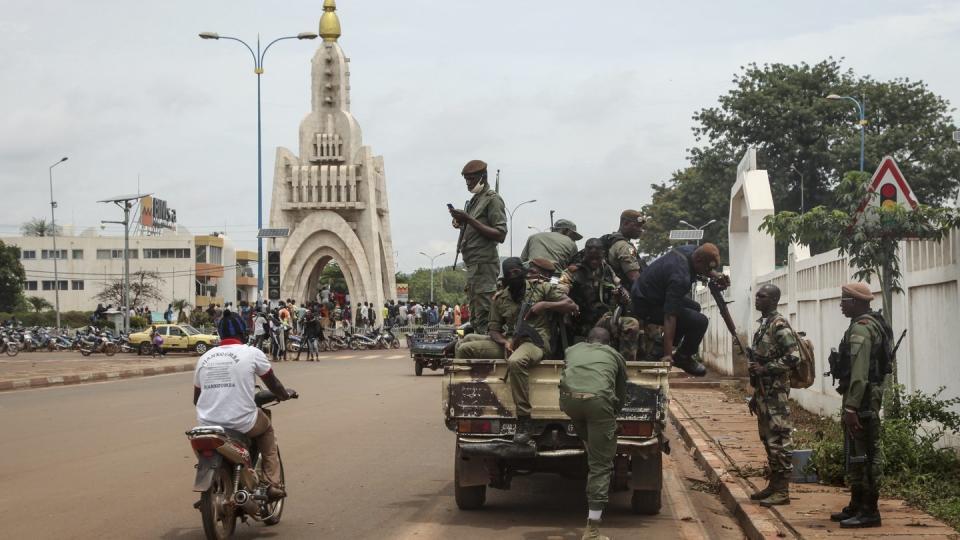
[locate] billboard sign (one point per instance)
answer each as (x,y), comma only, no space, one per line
(155,213)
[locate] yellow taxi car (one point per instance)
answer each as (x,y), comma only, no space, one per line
(176,337)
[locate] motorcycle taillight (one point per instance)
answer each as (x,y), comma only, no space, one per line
(206,444)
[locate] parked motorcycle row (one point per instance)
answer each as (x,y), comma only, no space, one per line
(88,340)
(375,338)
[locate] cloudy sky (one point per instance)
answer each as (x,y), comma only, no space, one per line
(582,105)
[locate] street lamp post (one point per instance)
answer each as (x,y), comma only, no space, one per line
(258,70)
(800,174)
(863,121)
(56,254)
(511,221)
(432,258)
(700,228)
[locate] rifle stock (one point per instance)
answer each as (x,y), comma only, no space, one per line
(717,294)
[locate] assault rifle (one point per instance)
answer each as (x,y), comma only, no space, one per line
(523,330)
(717,292)
(463,229)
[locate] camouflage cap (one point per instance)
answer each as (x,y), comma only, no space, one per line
(569,225)
(633,215)
(860,291)
(593,243)
(543,264)
(474,166)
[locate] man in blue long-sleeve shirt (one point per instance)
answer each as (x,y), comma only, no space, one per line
(660,296)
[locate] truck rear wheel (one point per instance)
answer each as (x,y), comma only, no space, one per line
(418,368)
(646,502)
(467,497)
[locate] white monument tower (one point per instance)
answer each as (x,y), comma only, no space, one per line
(333,197)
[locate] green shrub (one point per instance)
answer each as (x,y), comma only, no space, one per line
(138,323)
(199,318)
(826,459)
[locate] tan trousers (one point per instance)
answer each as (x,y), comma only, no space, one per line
(262,432)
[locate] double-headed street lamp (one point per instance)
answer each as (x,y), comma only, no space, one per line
(863,121)
(432,258)
(700,228)
(258,70)
(511,221)
(56,254)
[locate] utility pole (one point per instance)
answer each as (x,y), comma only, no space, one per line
(432,258)
(126,203)
(56,254)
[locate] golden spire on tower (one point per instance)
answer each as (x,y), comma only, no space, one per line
(329,22)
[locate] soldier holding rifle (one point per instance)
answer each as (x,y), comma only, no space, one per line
(483,225)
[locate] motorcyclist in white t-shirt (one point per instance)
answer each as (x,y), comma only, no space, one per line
(224,389)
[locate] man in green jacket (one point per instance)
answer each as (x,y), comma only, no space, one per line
(593,389)
(483,225)
(559,244)
(864,349)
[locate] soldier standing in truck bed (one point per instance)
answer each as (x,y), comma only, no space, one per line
(593,389)
(774,354)
(559,244)
(484,225)
(592,284)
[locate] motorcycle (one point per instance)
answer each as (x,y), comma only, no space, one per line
(336,342)
(360,341)
(230,477)
(94,343)
(9,345)
(387,339)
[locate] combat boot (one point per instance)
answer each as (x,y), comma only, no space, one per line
(869,515)
(850,510)
(592,532)
(765,492)
(689,364)
(781,491)
(521,436)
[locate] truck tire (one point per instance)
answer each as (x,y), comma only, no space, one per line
(467,497)
(418,368)
(646,502)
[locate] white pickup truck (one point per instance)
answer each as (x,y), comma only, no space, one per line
(478,407)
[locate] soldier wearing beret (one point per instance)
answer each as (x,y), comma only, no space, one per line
(483,224)
(524,343)
(558,244)
(622,256)
(865,353)
(597,291)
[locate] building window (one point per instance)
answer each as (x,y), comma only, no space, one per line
(216,255)
(48,285)
(77,254)
(28,254)
(172,253)
(49,254)
(29,285)
(103,253)
(116,254)
(76,284)
(201,254)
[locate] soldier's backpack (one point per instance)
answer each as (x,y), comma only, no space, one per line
(805,371)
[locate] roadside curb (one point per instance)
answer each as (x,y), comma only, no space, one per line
(757,522)
(99,376)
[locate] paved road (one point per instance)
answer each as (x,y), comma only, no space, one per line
(365,451)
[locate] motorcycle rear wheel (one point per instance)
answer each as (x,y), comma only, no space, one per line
(110,349)
(218,515)
(395,344)
(276,507)
(12,350)
(85,352)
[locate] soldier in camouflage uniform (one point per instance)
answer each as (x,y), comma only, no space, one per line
(622,256)
(773,354)
(596,290)
(521,351)
(485,219)
(863,348)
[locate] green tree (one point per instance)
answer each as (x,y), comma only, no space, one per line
(144,288)
(38,227)
(12,277)
(332,275)
(448,285)
(38,304)
(780,109)
(181,306)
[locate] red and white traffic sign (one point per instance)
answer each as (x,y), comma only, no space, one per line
(888,188)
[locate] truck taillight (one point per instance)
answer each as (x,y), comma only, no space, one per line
(206,444)
(635,429)
(477,426)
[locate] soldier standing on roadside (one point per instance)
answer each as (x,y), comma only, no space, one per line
(483,224)
(559,244)
(593,389)
(774,353)
(592,284)
(622,256)
(865,353)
